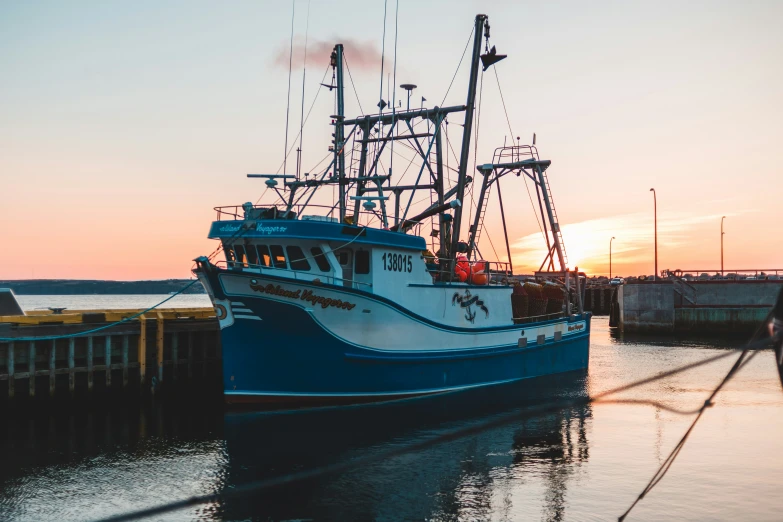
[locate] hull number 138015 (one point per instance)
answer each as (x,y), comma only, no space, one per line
(397,262)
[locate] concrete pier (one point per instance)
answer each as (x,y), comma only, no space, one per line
(696,306)
(142,355)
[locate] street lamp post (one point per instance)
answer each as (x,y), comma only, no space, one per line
(655,207)
(721,244)
(610,257)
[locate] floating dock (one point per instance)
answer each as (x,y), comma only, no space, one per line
(157,350)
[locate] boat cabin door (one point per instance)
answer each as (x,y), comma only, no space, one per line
(345,257)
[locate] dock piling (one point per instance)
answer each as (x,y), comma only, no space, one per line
(125,361)
(71,365)
(31,368)
(107,352)
(174,353)
(67,348)
(52,363)
(142,355)
(190,355)
(10,364)
(89,363)
(161,337)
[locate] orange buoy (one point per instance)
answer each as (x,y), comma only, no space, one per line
(478,273)
(462,269)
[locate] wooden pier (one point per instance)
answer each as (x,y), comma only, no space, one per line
(147,354)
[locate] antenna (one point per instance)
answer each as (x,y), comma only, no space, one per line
(409,87)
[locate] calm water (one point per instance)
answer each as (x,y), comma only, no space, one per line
(580,464)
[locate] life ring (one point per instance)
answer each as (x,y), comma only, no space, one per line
(220,312)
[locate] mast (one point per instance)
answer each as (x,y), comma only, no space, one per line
(465,153)
(339,128)
(442,223)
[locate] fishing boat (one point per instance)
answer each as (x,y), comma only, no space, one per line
(372,299)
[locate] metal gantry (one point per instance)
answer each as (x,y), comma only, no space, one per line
(368,186)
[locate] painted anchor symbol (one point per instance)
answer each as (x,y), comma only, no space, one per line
(466,301)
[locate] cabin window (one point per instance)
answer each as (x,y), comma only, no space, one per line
(320,259)
(278,256)
(362,262)
(297,258)
(264,258)
(239,250)
(343,257)
(252,256)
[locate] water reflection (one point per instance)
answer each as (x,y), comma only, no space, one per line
(91,461)
(467,478)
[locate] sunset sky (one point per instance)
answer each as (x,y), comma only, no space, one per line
(122,124)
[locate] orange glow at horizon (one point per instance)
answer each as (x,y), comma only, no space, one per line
(123,127)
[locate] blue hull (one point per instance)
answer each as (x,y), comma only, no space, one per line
(289,357)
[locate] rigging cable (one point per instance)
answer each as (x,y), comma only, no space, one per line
(454,434)
(104,327)
(467,44)
(315,98)
(394,92)
(288,105)
(524,177)
(383,58)
(345,60)
(477,119)
(304,76)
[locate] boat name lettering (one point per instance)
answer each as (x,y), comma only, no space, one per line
(575,327)
(307,295)
(270,230)
(229,228)
(326,302)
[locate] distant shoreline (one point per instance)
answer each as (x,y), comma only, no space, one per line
(98,287)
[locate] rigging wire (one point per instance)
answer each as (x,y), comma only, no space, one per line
(304,75)
(345,60)
(394,91)
(467,44)
(524,177)
(477,122)
(422,444)
(288,105)
(383,58)
(315,98)
(100,328)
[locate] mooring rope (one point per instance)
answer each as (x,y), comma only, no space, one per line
(457,433)
(104,327)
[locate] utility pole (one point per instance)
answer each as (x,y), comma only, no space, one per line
(610,257)
(655,218)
